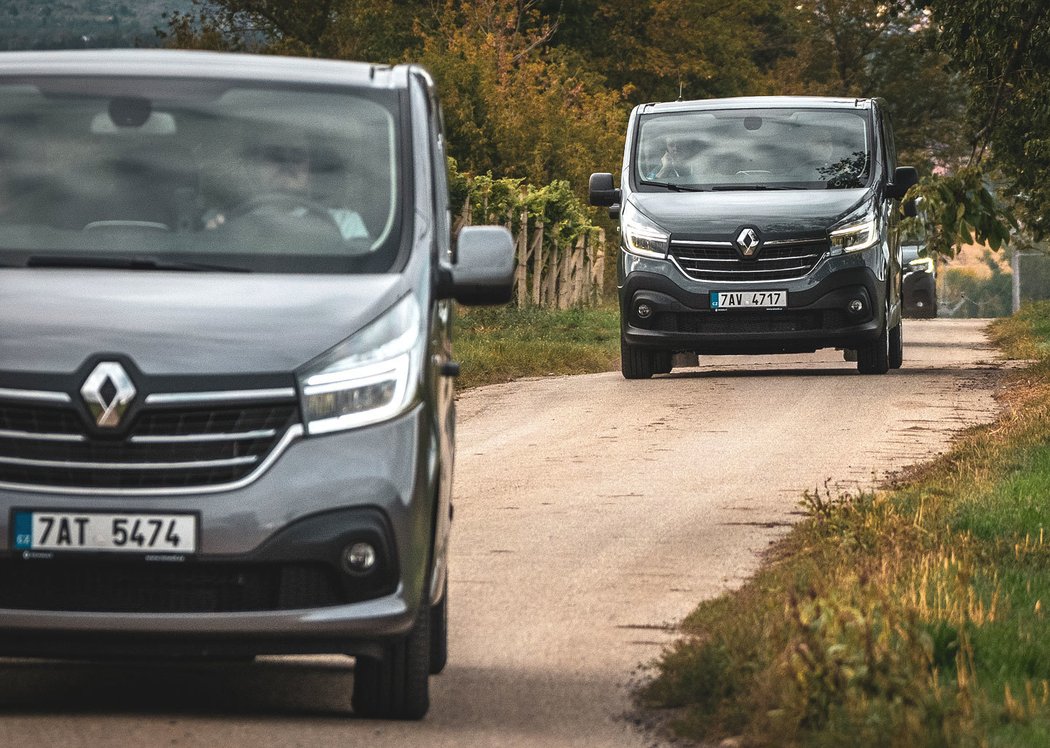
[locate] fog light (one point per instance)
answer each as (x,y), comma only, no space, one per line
(359,558)
(644,311)
(856,306)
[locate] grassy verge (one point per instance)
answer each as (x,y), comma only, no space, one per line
(498,344)
(916,617)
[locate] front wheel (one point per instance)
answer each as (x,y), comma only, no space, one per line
(641,363)
(874,357)
(439,634)
(397,685)
(897,345)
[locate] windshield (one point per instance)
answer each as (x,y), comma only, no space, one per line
(754,149)
(198,174)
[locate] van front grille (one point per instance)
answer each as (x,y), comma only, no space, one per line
(171,447)
(720,262)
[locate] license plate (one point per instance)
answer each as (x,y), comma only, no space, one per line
(122,532)
(742,299)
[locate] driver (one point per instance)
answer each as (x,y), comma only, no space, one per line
(282,185)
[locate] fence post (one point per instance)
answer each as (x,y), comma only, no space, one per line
(586,263)
(550,285)
(565,265)
(521,273)
(598,272)
(577,270)
(537,261)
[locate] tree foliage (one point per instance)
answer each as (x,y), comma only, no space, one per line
(960,209)
(1002,47)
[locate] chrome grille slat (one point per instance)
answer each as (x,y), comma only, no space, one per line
(42,436)
(200,438)
(37,395)
(74,465)
(798,268)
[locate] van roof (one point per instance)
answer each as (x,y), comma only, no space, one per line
(758,102)
(170,63)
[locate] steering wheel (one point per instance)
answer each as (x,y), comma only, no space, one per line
(285,203)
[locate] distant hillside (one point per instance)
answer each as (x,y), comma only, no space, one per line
(76,24)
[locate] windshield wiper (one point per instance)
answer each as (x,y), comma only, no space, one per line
(673,186)
(126,263)
(742,187)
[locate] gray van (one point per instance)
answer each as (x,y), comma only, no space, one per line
(758,225)
(226,395)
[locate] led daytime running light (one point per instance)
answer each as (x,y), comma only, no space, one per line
(855,237)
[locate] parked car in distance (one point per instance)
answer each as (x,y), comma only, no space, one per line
(226,398)
(920,280)
(758,225)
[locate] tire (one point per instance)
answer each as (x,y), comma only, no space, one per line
(439,634)
(874,358)
(896,356)
(642,363)
(396,686)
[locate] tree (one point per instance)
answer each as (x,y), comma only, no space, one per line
(509,107)
(1002,47)
(656,50)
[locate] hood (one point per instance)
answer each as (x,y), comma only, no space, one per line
(775,213)
(51,320)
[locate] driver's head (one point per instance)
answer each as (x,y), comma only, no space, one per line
(283,166)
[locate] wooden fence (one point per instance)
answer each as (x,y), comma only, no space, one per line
(560,254)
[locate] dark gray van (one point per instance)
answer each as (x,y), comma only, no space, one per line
(758,225)
(226,398)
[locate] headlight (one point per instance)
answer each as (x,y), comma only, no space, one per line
(921,265)
(369,377)
(642,236)
(855,236)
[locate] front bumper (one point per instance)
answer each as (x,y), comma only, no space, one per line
(817,315)
(269,575)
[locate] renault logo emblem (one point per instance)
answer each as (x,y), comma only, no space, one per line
(108,392)
(747,242)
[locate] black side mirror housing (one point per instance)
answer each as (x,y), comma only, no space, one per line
(910,209)
(904,178)
(600,190)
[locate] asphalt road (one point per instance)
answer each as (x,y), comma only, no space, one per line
(592,513)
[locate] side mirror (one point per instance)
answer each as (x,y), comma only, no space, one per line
(904,178)
(910,209)
(600,190)
(484,269)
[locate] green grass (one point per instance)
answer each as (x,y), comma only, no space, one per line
(500,344)
(916,617)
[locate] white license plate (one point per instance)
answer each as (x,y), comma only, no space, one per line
(741,299)
(96,531)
